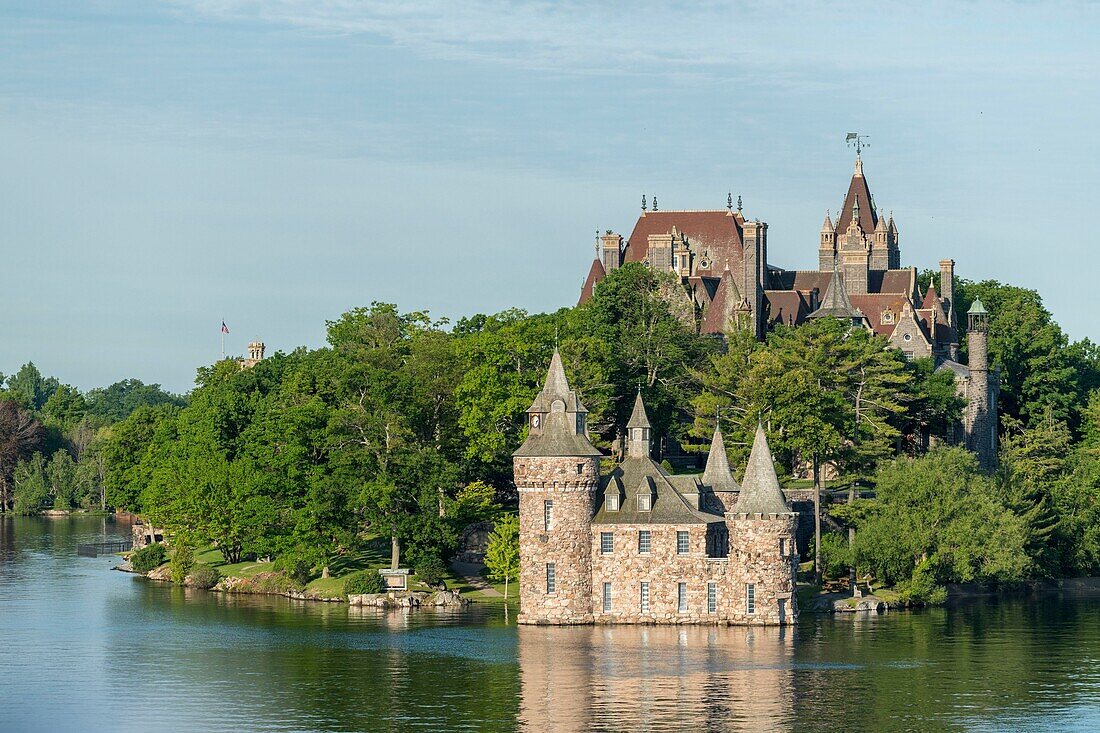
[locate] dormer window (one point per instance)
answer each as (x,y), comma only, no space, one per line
(645,502)
(887,317)
(611,501)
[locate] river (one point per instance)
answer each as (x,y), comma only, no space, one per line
(87,649)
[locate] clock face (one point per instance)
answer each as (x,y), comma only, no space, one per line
(535,421)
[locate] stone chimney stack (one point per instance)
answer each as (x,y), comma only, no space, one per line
(756,236)
(611,246)
(947,292)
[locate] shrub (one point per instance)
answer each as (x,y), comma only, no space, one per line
(203,576)
(148,558)
(296,567)
(363,581)
(431,571)
(183,558)
(836,557)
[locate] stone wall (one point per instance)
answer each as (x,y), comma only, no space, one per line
(755,558)
(571,484)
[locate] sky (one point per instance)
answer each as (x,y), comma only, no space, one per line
(165,165)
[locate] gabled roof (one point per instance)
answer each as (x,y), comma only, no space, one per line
(873,304)
(596,273)
(717,475)
(669,505)
(760,492)
(786,307)
(859,195)
(716,231)
(727,301)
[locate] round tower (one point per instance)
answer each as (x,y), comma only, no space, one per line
(764,559)
(981,421)
(557,474)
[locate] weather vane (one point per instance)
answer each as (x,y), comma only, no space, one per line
(857,141)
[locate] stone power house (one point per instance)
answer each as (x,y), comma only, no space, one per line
(721,259)
(639,545)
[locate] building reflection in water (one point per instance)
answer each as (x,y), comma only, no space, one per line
(621,678)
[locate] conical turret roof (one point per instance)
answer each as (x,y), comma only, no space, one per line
(556,387)
(561,432)
(638,418)
(717,474)
(827,226)
(727,301)
(857,204)
(836,302)
(760,492)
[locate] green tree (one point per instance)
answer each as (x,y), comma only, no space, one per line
(31,489)
(21,435)
(29,388)
(502,552)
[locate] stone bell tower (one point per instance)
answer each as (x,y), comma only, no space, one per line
(557,474)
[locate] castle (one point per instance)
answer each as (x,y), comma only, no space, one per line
(721,258)
(639,545)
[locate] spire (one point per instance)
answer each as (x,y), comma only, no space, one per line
(738,203)
(556,383)
(827,226)
(760,492)
(836,302)
(557,419)
(729,201)
(638,417)
(717,474)
(720,317)
(859,166)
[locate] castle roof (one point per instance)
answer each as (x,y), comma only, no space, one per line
(718,232)
(638,475)
(789,307)
(857,201)
(557,407)
(727,300)
(638,417)
(760,491)
(717,475)
(835,303)
(596,273)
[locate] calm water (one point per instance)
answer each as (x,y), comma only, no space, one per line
(86,649)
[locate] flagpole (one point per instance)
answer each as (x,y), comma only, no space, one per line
(222,329)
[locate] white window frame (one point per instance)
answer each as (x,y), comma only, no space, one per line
(645,541)
(607,543)
(611,501)
(712,597)
(683,542)
(607,597)
(645,502)
(547,514)
(681,598)
(750,598)
(643,597)
(551,578)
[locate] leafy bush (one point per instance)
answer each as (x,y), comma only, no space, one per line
(183,559)
(203,576)
(148,558)
(431,571)
(836,557)
(363,581)
(296,567)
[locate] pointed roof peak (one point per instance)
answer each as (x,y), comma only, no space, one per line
(836,302)
(828,225)
(717,474)
(638,417)
(556,383)
(760,491)
(859,167)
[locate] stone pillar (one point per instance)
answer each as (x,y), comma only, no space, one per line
(981,435)
(753,289)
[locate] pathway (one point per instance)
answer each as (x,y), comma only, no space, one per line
(471,573)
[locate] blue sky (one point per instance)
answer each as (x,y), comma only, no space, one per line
(164,165)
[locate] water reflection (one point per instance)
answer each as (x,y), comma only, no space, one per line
(656,678)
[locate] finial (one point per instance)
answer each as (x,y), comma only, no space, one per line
(597,244)
(738,203)
(555,337)
(855,209)
(654,202)
(643,202)
(729,200)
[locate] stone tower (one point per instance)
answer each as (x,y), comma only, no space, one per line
(947,292)
(755,262)
(980,421)
(255,355)
(762,537)
(557,473)
(638,431)
(826,250)
(611,250)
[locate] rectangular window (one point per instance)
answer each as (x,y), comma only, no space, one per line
(607,543)
(611,501)
(750,598)
(712,597)
(783,546)
(645,502)
(551,577)
(606,597)
(682,597)
(643,541)
(644,601)
(547,514)
(681,542)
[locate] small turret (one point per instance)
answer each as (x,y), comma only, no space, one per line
(639,443)
(760,491)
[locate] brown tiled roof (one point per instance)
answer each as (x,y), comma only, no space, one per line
(595,274)
(718,231)
(931,298)
(805,280)
(858,190)
(873,304)
(786,306)
(891,281)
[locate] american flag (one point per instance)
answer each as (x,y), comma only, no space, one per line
(225,328)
